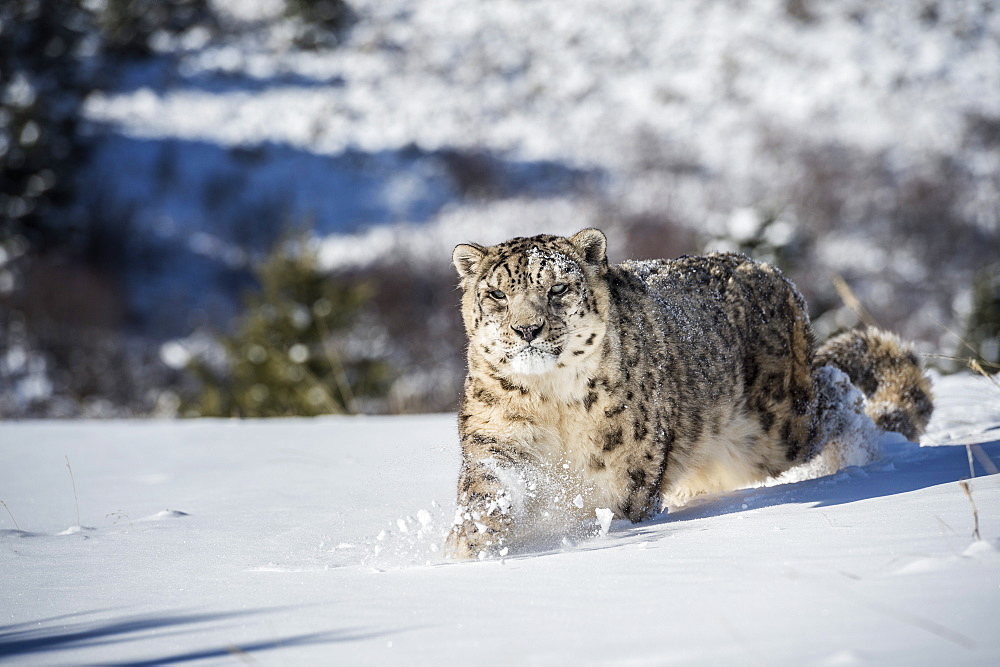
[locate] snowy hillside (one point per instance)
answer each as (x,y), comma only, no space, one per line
(849,143)
(459,121)
(316,542)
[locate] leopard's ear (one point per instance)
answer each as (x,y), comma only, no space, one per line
(466,259)
(592,244)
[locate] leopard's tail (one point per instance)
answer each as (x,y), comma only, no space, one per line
(889,374)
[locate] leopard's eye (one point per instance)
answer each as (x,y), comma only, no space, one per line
(557,289)
(498,295)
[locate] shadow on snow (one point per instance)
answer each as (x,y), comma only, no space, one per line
(60,633)
(911,469)
(905,467)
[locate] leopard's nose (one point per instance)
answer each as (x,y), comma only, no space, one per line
(527,331)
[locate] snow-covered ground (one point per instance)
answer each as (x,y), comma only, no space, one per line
(317,541)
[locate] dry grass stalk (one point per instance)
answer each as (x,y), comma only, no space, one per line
(975,512)
(11,514)
(975,362)
(851,300)
(75,496)
(977,366)
(984,459)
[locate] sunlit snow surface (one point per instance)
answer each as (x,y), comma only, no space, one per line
(317,541)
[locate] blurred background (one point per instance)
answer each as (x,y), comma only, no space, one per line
(247,207)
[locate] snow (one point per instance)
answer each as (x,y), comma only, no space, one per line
(431,73)
(318,542)
(683,111)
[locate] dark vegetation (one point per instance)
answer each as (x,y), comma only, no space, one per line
(287,355)
(70,344)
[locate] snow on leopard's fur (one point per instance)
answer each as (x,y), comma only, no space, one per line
(642,384)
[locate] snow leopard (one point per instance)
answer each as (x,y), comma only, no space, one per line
(636,386)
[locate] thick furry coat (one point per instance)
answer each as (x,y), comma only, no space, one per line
(627,387)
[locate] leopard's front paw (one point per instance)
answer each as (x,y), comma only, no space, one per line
(481,538)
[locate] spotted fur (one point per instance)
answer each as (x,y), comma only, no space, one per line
(897,394)
(640,384)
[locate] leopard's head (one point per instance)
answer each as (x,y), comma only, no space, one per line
(534,305)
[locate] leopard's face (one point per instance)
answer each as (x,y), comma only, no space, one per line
(530,306)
